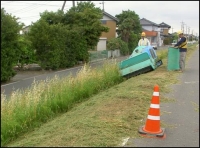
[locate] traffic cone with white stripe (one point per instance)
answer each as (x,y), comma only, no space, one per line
(152,126)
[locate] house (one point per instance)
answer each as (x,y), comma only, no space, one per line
(152,31)
(110,22)
(164,30)
(25,29)
(156,33)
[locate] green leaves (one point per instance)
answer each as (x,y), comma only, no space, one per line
(117,43)
(9,41)
(129,28)
(86,17)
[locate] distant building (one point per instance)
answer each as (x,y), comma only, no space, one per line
(155,32)
(110,22)
(25,29)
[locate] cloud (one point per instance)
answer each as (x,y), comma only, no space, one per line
(170,12)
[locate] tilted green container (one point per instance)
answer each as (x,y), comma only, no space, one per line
(173,59)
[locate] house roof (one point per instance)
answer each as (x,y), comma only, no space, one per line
(164,25)
(144,29)
(145,22)
(26,27)
(110,16)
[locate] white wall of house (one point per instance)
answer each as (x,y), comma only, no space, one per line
(151,28)
(116,35)
(101,45)
(106,18)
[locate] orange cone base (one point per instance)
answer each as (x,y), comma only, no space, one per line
(161,134)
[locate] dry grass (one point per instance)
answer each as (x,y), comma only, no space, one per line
(104,119)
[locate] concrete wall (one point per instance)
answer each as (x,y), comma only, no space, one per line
(101,45)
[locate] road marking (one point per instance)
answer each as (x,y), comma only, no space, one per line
(9,83)
(191,82)
(45,74)
(38,76)
(125,141)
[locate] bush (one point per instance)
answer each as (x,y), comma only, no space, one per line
(28,109)
(117,43)
(166,41)
(10,29)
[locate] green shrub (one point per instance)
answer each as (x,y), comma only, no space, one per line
(117,43)
(9,41)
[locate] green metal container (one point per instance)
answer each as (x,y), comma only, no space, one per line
(173,59)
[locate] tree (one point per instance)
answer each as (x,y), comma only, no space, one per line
(57,45)
(117,43)
(129,27)
(10,29)
(52,17)
(48,41)
(85,17)
(25,51)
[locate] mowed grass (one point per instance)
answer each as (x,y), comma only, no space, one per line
(106,118)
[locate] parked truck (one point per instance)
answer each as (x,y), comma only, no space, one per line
(143,59)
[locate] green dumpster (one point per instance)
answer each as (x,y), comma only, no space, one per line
(173,59)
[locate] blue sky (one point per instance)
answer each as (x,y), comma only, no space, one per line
(172,13)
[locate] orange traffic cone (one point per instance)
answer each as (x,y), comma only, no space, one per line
(152,125)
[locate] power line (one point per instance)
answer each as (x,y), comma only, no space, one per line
(34,7)
(25,4)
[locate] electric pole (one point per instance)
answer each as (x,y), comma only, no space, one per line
(182,26)
(73,3)
(63,5)
(192,35)
(102,4)
(172,30)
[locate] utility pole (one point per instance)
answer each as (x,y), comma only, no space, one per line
(188,32)
(182,26)
(172,30)
(102,4)
(73,3)
(192,35)
(63,5)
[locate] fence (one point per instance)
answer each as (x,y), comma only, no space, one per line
(104,54)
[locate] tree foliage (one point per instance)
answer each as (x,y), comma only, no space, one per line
(26,52)
(56,44)
(48,41)
(56,40)
(129,28)
(10,29)
(85,17)
(117,43)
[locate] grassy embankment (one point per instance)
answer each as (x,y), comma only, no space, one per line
(74,116)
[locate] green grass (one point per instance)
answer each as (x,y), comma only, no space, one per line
(74,116)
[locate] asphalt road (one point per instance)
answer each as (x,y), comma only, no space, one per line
(180,117)
(23,83)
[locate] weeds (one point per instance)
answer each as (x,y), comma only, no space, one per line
(102,120)
(30,108)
